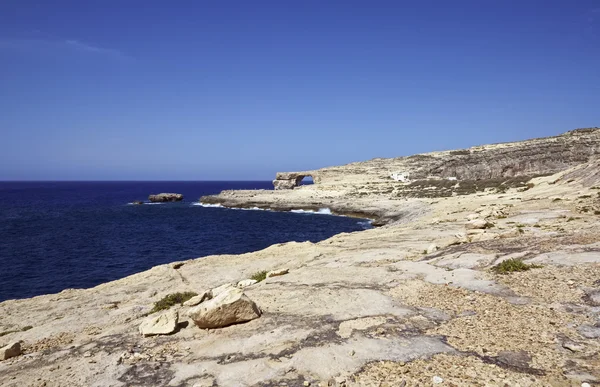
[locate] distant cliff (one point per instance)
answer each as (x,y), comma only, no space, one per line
(527,158)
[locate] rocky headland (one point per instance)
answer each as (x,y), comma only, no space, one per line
(485,271)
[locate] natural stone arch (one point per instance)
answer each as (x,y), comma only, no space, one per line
(291,180)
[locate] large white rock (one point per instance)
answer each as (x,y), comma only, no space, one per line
(10,350)
(229,307)
(162,324)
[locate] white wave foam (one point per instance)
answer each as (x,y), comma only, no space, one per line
(208,205)
(144,203)
(320,211)
(366,224)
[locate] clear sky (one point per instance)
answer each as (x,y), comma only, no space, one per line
(206,90)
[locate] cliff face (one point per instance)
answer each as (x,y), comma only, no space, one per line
(534,157)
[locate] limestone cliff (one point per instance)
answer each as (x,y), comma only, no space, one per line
(524,158)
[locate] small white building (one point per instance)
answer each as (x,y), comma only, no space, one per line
(403,177)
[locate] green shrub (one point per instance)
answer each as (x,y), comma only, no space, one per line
(259,276)
(172,299)
(512,265)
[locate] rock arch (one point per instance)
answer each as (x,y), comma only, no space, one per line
(291,180)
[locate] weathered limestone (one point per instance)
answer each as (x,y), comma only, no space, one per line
(477,224)
(290,180)
(163,324)
(229,307)
(165,197)
(206,295)
(10,350)
(245,283)
(278,272)
(220,289)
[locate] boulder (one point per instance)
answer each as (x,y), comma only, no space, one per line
(245,283)
(472,216)
(229,307)
(206,295)
(10,350)
(275,273)
(163,324)
(165,197)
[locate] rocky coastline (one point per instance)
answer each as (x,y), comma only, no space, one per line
(484,272)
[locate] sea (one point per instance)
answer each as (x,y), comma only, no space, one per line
(60,235)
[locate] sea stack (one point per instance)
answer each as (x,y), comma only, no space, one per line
(165,197)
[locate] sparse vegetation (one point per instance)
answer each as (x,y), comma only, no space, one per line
(172,299)
(259,275)
(513,265)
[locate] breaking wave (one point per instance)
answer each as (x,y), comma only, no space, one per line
(321,211)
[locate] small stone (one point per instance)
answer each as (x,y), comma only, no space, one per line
(437,380)
(478,224)
(585,385)
(306,383)
(275,273)
(432,248)
(10,350)
(87,354)
(573,346)
(245,283)
(200,298)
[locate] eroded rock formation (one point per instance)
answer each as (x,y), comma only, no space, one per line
(290,180)
(165,197)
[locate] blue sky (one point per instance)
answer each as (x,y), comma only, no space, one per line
(241,89)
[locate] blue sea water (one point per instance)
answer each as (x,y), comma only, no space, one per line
(59,235)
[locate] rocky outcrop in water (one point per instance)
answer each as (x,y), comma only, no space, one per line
(165,197)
